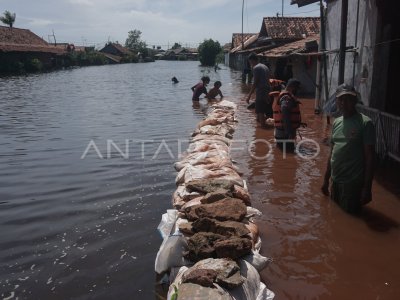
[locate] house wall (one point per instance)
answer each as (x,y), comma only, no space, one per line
(303,70)
(226,58)
(237,61)
(368,14)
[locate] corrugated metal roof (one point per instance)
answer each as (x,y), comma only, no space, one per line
(290,27)
(294,47)
(237,39)
(301,3)
(250,40)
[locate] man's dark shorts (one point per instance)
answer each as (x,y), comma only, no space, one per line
(348,195)
(261,101)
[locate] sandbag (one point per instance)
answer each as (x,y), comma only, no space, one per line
(170,254)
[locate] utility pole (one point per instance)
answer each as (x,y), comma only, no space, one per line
(242,24)
(343,38)
(282,7)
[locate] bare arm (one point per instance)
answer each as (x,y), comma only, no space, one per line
(220,93)
(253,88)
(327,176)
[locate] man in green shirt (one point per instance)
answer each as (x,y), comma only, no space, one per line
(350,164)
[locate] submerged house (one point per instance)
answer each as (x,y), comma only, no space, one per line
(115,52)
(21,46)
(362,49)
(181,54)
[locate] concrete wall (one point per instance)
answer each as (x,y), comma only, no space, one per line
(302,71)
(368,15)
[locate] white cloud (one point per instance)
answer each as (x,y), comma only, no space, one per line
(39,22)
(82,2)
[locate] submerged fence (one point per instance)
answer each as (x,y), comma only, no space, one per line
(387,129)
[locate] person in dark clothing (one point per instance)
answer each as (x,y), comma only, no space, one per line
(200,88)
(261,86)
(287,117)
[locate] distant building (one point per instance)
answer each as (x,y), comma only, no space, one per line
(290,36)
(22,45)
(115,52)
(181,54)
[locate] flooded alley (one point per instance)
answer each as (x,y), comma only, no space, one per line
(318,251)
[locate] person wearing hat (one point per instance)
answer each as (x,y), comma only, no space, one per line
(351,161)
(286,114)
(261,86)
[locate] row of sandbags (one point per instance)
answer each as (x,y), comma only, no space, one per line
(210,247)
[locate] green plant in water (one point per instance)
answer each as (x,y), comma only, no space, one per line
(175,294)
(33,65)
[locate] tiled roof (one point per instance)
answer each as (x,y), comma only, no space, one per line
(291,28)
(250,40)
(292,48)
(23,40)
(237,38)
(122,49)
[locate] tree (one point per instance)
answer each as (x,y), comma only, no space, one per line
(8,18)
(176,46)
(134,43)
(208,51)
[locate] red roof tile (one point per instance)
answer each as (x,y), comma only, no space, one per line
(23,40)
(290,27)
(237,38)
(292,48)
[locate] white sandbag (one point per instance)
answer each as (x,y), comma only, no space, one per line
(265,293)
(182,195)
(225,103)
(191,173)
(167,222)
(170,254)
(258,261)
(201,137)
(198,156)
(207,145)
(176,281)
(252,212)
(250,289)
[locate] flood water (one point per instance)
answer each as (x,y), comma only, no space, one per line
(86,170)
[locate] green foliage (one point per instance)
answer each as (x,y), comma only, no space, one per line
(33,65)
(176,46)
(8,18)
(132,58)
(220,57)
(11,66)
(89,58)
(135,44)
(208,51)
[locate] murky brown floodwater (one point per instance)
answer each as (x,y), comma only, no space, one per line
(75,228)
(319,251)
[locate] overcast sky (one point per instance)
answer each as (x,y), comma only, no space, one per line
(162,22)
